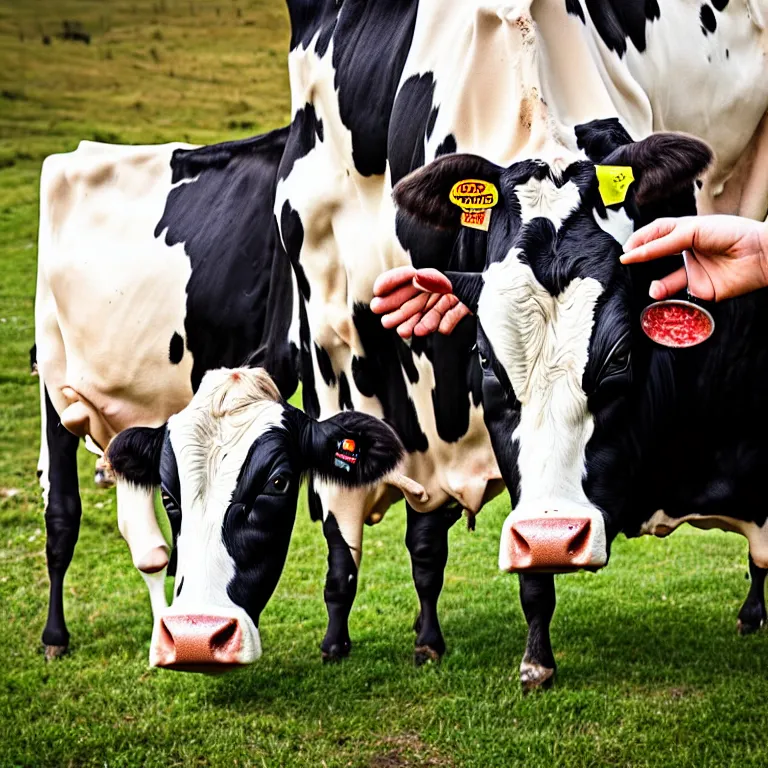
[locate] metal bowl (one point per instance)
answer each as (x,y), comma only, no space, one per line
(678,343)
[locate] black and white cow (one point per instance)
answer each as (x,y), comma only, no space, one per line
(230,465)
(380,89)
(155,265)
(337,224)
(598,431)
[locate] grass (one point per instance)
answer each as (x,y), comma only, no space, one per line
(651,671)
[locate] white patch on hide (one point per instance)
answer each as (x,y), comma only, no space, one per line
(542,198)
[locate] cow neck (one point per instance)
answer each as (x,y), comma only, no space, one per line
(496,69)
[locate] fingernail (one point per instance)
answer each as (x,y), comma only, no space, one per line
(656,290)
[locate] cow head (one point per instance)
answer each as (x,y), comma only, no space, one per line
(558,331)
(229,466)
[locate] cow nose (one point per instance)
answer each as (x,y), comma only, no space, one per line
(198,643)
(550,544)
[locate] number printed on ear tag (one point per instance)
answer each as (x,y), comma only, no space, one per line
(614,181)
(476,219)
(474,195)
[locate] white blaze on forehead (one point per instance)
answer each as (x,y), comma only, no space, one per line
(542,342)
(542,197)
(211,439)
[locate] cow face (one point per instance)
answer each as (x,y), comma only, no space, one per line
(229,466)
(558,334)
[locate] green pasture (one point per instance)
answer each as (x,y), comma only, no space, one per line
(651,670)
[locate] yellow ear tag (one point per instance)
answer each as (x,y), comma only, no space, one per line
(475,198)
(614,180)
(474,195)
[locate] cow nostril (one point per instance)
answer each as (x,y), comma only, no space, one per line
(223,638)
(165,638)
(519,542)
(578,542)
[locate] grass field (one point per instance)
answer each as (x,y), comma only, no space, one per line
(651,671)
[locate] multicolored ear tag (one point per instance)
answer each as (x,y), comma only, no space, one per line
(347,454)
(475,198)
(614,181)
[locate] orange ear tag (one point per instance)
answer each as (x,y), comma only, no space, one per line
(476,219)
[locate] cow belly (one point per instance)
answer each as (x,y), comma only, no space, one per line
(111,297)
(662,525)
(463,470)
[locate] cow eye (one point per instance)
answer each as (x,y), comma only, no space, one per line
(485,363)
(618,360)
(278,485)
(168,500)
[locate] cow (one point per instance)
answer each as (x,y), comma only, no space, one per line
(336,221)
(230,465)
(597,430)
(156,264)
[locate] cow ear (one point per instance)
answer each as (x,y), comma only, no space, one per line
(351,449)
(663,164)
(134,455)
(598,138)
(425,193)
(467,286)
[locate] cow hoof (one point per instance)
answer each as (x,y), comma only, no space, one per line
(335,652)
(55,651)
(746,627)
(535,677)
(423,654)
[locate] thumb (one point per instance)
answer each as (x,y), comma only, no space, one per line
(669,285)
(432,281)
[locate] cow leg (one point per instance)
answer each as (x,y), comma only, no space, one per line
(537,596)
(426,537)
(753,615)
(58,477)
(340,590)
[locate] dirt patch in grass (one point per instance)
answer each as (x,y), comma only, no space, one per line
(407,750)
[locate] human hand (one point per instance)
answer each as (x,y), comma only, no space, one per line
(416,302)
(728,255)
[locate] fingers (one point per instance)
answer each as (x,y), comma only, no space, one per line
(669,285)
(408,310)
(417,302)
(664,237)
(388,281)
(434,317)
(699,282)
(452,318)
(381,305)
(432,281)
(405,330)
